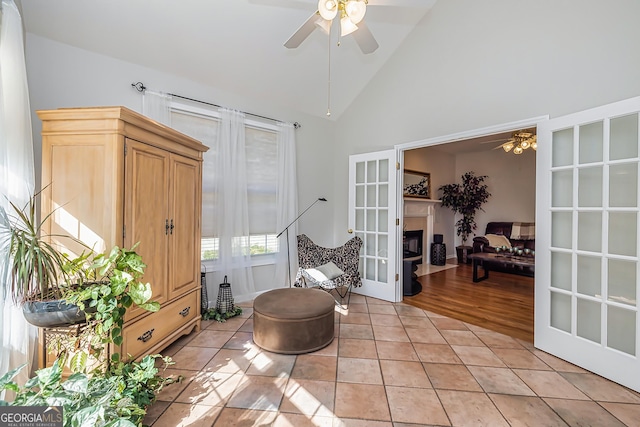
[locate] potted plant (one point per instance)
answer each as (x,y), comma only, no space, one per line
(32,268)
(99,391)
(119,398)
(105,286)
(54,289)
(465,199)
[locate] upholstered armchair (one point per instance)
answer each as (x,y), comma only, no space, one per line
(329,268)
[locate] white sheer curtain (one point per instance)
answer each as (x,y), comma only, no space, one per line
(232,211)
(287,200)
(157,105)
(17,337)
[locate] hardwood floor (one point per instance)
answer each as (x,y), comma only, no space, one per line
(502,303)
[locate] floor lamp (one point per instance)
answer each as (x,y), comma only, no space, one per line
(320,199)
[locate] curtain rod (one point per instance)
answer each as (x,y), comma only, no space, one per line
(140,87)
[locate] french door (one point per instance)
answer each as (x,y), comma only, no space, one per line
(587,246)
(372,217)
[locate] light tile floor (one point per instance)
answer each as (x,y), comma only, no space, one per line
(390,365)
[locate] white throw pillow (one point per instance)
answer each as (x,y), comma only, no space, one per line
(328,271)
(496,240)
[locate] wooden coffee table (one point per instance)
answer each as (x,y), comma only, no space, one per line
(520,264)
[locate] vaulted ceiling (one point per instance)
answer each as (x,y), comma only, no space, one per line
(236,45)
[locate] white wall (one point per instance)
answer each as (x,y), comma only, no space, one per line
(473,64)
(64,76)
(511,180)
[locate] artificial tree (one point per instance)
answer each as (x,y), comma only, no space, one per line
(465,199)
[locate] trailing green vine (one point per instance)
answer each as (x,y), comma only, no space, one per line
(212,313)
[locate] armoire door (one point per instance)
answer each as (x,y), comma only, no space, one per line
(184,223)
(146,208)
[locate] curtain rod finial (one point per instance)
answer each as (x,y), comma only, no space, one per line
(139,86)
(297,125)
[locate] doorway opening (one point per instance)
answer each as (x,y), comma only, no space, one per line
(511,180)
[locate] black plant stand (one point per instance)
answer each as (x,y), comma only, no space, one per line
(463,253)
(438,254)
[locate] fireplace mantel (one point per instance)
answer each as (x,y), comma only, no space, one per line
(419,208)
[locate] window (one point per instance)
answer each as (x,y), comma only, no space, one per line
(262,178)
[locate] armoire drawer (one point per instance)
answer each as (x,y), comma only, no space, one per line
(150,330)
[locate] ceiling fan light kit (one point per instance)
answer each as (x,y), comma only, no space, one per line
(328,9)
(351,13)
(355,10)
(521,141)
(347,26)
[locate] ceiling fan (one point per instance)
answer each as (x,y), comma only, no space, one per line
(520,141)
(350,14)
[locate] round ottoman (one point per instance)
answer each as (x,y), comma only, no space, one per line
(293,320)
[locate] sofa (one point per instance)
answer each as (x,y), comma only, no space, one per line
(517,234)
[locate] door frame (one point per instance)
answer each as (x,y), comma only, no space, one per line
(445,139)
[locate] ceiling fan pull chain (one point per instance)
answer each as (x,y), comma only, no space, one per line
(329,79)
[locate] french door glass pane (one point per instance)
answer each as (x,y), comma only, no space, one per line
(371,220)
(561,270)
(623,232)
(591,143)
(623,185)
(588,320)
(621,329)
(383,170)
(372,171)
(383,220)
(360,172)
(383,241)
(622,281)
(360,219)
(623,142)
(590,231)
(371,196)
(382,270)
(371,268)
(590,187)
(383,195)
(561,311)
(359,196)
(562,148)
(562,188)
(561,229)
(589,276)
(370,244)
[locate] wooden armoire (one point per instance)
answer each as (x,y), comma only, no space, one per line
(113,177)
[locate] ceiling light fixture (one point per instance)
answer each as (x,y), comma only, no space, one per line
(351,13)
(520,141)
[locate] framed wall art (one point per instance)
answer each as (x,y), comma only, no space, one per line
(417,184)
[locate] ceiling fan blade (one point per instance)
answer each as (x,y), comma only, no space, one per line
(511,140)
(303,32)
(365,39)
